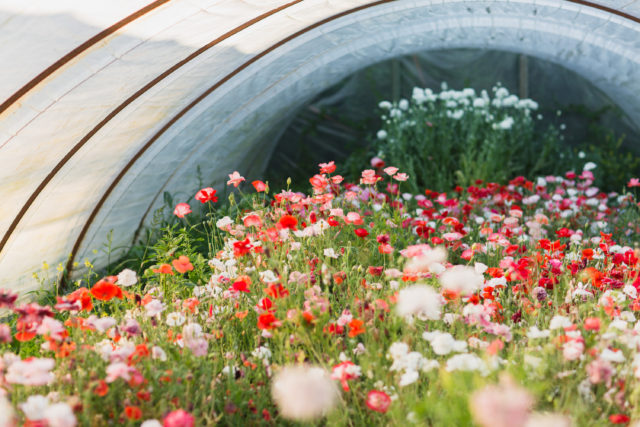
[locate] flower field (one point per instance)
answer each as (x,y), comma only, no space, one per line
(356,304)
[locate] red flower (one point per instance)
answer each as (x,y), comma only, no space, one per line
(207,195)
(164,269)
(182,264)
(288,221)
(276,290)
(259,186)
(355,328)
(619,419)
(240,286)
(7,298)
(106,289)
(327,167)
(267,321)
(592,324)
(81,298)
(361,232)
(101,389)
(265,304)
(179,418)
(133,412)
(182,209)
(378,401)
(241,247)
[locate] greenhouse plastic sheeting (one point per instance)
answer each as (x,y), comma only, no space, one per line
(107,105)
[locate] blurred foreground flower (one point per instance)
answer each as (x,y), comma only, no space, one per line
(303,393)
(503,405)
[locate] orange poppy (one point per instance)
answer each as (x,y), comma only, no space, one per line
(182,264)
(356,328)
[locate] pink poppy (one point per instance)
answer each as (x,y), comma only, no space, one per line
(182,209)
(235,179)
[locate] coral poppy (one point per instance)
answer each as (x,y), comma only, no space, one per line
(163,269)
(327,167)
(182,264)
(259,186)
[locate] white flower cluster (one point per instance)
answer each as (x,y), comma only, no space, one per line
(409,363)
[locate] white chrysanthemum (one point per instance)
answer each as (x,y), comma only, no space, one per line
(60,415)
(419,300)
(127,278)
(462,279)
(303,393)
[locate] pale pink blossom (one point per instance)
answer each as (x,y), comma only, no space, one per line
(401,177)
(303,393)
(503,405)
(35,372)
(390,170)
(235,179)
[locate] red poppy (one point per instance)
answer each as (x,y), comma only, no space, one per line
(133,412)
(207,195)
(106,289)
(267,321)
(241,247)
(240,286)
(378,401)
(82,295)
(265,304)
(163,269)
(182,264)
(101,389)
(361,232)
(619,419)
(288,221)
(592,324)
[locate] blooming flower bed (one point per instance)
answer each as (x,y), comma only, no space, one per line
(503,305)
